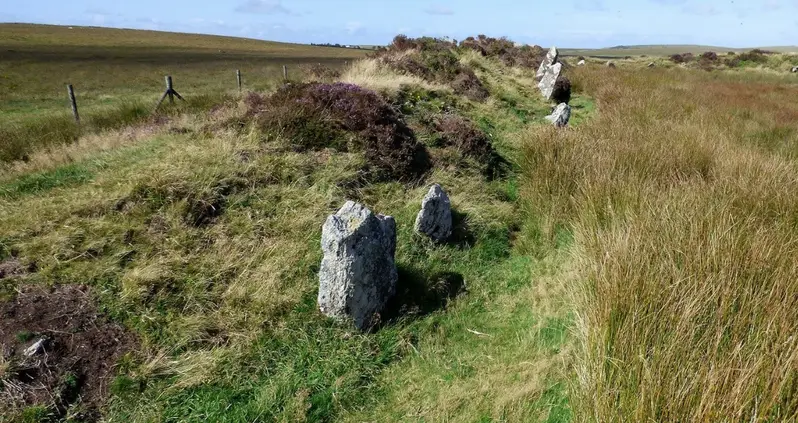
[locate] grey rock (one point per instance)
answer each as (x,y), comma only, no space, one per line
(580,63)
(358,271)
(560,116)
(435,217)
(36,348)
(551,58)
(794,69)
(610,64)
(546,84)
(651,65)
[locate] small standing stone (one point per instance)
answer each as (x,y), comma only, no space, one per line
(560,116)
(358,273)
(651,65)
(435,217)
(581,63)
(35,349)
(551,58)
(610,64)
(546,84)
(794,69)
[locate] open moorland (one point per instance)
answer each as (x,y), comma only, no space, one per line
(118,75)
(636,265)
(665,50)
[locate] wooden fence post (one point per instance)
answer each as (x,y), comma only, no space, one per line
(238,78)
(73,103)
(285,73)
(170,92)
(170,89)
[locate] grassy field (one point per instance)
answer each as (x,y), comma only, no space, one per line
(683,217)
(637,266)
(118,75)
(223,306)
(664,50)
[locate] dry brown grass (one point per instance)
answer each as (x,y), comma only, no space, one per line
(369,73)
(682,200)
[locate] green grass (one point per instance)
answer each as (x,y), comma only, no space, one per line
(118,76)
(637,266)
(226,309)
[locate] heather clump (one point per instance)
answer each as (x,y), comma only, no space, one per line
(682,58)
(344,117)
(434,60)
(505,50)
(754,56)
(562,90)
(468,142)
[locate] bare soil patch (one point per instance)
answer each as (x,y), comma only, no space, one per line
(76,362)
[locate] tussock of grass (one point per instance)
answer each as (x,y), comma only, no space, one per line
(685,235)
(369,73)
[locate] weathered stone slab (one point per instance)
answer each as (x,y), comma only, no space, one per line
(560,116)
(435,217)
(551,58)
(546,84)
(358,272)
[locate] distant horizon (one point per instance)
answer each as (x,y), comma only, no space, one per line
(614,47)
(589,24)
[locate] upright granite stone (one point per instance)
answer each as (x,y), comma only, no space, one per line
(581,63)
(358,272)
(560,116)
(551,58)
(546,84)
(435,217)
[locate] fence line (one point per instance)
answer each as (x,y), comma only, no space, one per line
(170,91)
(73,103)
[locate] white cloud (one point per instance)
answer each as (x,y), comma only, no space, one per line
(439,10)
(353,27)
(263,7)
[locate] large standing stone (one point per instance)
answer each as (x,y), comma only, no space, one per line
(560,116)
(435,217)
(549,61)
(358,273)
(546,84)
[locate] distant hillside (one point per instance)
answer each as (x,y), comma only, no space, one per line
(31,36)
(664,50)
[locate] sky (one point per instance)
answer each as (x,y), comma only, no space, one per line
(564,23)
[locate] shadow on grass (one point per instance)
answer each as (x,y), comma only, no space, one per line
(461,237)
(419,294)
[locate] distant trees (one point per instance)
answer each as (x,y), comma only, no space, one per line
(337,45)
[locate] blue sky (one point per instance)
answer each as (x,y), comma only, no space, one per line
(565,23)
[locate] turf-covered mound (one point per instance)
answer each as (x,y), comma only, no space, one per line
(344,117)
(434,60)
